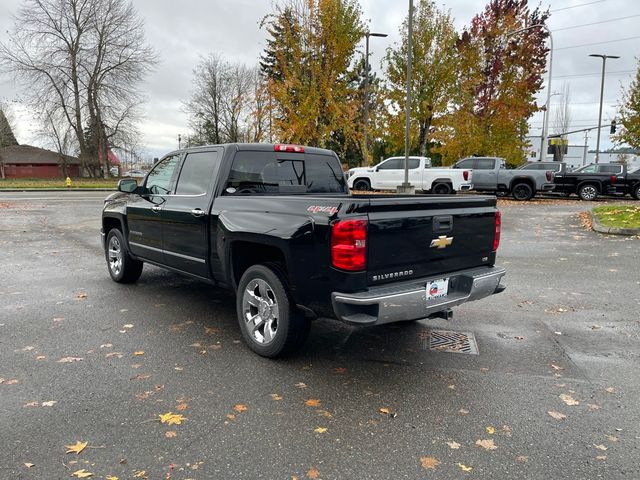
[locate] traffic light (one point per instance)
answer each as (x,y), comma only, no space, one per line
(613,127)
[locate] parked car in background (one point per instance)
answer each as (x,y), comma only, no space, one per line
(628,183)
(388,174)
(490,174)
(134,173)
(590,181)
(114,171)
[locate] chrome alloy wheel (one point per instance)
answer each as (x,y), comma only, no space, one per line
(260,311)
(115,255)
(589,192)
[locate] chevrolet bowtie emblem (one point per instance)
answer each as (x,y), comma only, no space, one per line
(441,242)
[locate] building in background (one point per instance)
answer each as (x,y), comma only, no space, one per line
(25,161)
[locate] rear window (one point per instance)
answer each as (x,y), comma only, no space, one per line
(611,168)
(276,172)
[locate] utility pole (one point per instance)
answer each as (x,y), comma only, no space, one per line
(365,157)
(584,154)
(604,62)
(406,187)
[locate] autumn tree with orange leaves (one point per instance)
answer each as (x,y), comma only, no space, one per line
(308,66)
(498,77)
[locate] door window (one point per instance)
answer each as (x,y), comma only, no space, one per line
(393,164)
(484,164)
(159,179)
(589,169)
(464,163)
(196,174)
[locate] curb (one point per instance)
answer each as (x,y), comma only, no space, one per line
(598,227)
(57,190)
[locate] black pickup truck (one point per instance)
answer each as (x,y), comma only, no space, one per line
(277,225)
(628,183)
(589,181)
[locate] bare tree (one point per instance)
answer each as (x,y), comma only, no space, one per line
(562,118)
(7,138)
(82,60)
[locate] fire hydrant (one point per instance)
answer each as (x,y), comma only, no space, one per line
(67,182)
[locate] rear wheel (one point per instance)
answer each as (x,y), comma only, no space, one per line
(271,326)
(442,188)
(362,184)
(522,192)
(588,192)
(122,268)
(636,192)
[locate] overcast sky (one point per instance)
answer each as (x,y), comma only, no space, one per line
(184,31)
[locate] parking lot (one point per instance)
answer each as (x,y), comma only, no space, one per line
(551,393)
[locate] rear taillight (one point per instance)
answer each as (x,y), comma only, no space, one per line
(614,179)
(496,234)
(349,245)
(549,175)
(465,175)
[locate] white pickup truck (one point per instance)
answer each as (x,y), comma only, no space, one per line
(389,173)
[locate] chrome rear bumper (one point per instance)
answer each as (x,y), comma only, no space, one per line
(408,300)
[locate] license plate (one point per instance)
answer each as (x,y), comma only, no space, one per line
(437,288)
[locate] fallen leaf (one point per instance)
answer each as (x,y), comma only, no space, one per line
(82,474)
(301,385)
(171,418)
(28,348)
(77,447)
(312,402)
(140,376)
(593,406)
(601,457)
(29,465)
(182,407)
(81,296)
(453,445)
(231,416)
(385,411)
(463,411)
(13,381)
(111,477)
(556,367)
(484,369)
(211,331)
(491,430)
(275,396)
(519,338)
(170,434)
(40,357)
(557,415)
(452,387)
(140,474)
(522,458)
(340,370)
(486,444)
(611,438)
(429,463)
(313,473)
(50,403)
(70,359)
(113,354)
(610,389)
(240,408)
(139,352)
(595,327)
(601,447)
(178,369)
(320,430)
(128,325)
(324,413)
(569,400)
(464,467)
(31,404)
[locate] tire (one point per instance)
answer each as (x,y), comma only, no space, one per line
(362,184)
(522,192)
(122,268)
(441,189)
(588,192)
(636,192)
(262,297)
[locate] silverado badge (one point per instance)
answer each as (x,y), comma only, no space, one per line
(441,242)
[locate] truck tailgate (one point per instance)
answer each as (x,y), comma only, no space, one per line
(420,236)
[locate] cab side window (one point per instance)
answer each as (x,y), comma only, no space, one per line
(484,164)
(393,164)
(159,179)
(196,173)
(465,163)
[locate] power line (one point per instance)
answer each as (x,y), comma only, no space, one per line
(598,43)
(618,72)
(596,23)
(576,6)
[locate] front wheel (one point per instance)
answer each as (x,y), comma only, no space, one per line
(522,192)
(122,267)
(636,192)
(271,326)
(588,192)
(362,184)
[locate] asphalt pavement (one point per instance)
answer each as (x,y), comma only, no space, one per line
(552,393)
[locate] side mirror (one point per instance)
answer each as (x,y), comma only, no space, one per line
(127,185)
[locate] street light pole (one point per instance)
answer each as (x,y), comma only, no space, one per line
(406,187)
(604,62)
(545,126)
(367,34)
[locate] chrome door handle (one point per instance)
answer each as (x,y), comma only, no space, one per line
(156,208)
(196,212)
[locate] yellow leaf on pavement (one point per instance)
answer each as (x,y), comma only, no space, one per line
(320,430)
(384,410)
(82,474)
(77,447)
(491,430)
(453,445)
(111,477)
(313,473)
(139,353)
(465,468)
(429,463)
(140,474)
(240,408)
(569,400)
(275,396)
(312,402)
(557,415)
(29,465)
(171,418)
(486,444)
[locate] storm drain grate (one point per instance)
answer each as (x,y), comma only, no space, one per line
(454,342)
